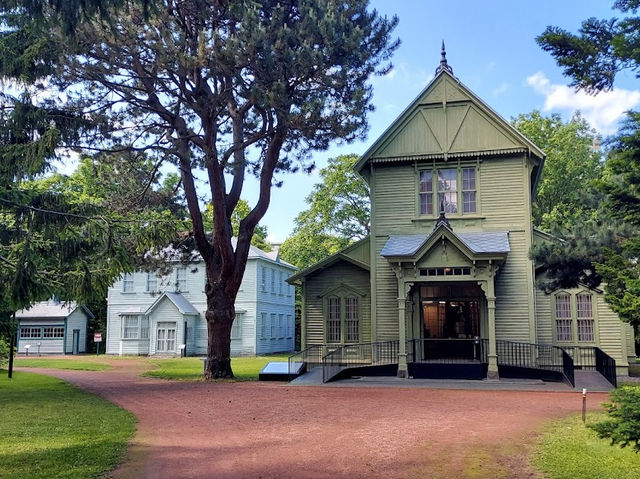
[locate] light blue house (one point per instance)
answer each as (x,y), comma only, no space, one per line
(53,327)
(155,314)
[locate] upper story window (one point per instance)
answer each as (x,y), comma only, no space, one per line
(181,278)
(439,189)
(264,279)
(127,283)
(281,283)
(448,190)
(152,282)
(273,281)
(468,190)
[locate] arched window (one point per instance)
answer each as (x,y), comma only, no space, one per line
(564,330)
(342,315)
(334,319)
(585,317)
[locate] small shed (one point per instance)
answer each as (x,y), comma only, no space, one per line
(53,327)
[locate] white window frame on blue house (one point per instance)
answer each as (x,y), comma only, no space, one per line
(139,331)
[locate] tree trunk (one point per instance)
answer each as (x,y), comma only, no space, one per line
(220,315)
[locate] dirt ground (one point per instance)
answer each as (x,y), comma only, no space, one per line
(271,430)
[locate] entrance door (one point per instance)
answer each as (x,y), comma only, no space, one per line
(450,322)
(166,338)
(76,341)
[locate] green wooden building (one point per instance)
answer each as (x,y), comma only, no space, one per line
(444,286)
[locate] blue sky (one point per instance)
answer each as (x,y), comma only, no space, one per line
(491,47)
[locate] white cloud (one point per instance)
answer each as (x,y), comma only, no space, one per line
(501,89)
(602,111)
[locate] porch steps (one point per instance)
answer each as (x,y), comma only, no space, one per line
(591,380)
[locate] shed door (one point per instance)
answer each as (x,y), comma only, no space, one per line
(166,337)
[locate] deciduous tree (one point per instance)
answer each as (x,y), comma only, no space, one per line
(227,88)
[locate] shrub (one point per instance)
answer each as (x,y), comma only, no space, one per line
(623,427)
(4,353)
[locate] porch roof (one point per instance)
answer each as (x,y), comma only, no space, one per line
(481,242)
(179,301)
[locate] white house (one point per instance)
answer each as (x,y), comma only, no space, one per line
(152,314)
(53,327)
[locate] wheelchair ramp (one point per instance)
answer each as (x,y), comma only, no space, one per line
(592,380)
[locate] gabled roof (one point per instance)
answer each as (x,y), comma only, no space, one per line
(433,97)
(172,254)
(179,301)
(51,309)
(477,243)
(352,254)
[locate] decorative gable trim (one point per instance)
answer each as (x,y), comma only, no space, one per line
(446,93)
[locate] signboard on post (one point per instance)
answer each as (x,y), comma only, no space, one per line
(97,338)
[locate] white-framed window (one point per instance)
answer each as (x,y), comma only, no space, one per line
(564,323)
(468,190)
(273,325)
(426,192)
(264,279)
(236,327)
(586,328)
(273,281)
(30,332)
(289,287)
(281,282)
(263,325)
(152,282)
(281,326)
(448,190)
(53,332)
(290,326)
(135,326)
(452,190)
(127,283)
(334,319)
(181,278)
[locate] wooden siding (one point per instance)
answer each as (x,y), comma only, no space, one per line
(76,320)
(341,272)
(512,292)
(611,333)
(361,251)
(446,119)
(386,285)
(47,346)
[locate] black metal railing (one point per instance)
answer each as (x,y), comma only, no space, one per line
(357,355)
(447,351)
(543,357)
(606,366)
(583,357)
(311,356)
(591,358)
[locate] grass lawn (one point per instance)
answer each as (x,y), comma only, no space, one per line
(568,450)
(244,369)
(78,364)
(52,429)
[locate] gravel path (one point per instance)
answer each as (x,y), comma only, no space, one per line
(269,430)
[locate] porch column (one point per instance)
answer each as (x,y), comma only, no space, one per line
(492,370)
(403,370)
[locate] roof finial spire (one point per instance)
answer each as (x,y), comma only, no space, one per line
(443,61)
